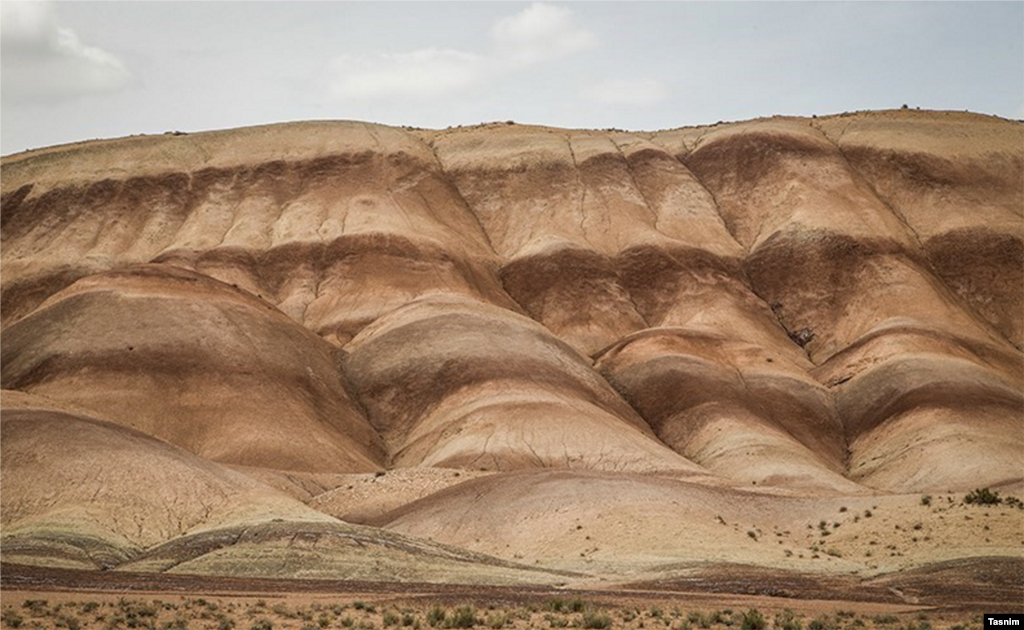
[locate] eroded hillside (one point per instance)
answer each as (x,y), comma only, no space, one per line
(678,341)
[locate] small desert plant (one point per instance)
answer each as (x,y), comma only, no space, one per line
(282,610)
(262,624)
(926,500)
(824,622)
(753,620)
(787,620)
(557,604)
(596,620)
(10,618)
(982,496)
(463,617)
(436,615)
(69,622)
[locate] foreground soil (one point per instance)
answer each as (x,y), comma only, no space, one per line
(954,590)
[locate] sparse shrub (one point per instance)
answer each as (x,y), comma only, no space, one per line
(596,620)
(89,607)
(557,604)
(69,622)
(823,622)
(982,496)
(463,617)
(436,615)
(390,619)
(867,514)
(282,610)
(926,500)
(753,620)
(262,624)
(10,618)
(787,620)
(752,534)
(408,620)
(497,620)
(556,622)
(347,621)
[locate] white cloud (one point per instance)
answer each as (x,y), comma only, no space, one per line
(422,73)
(540,32)
(537,34)
(635,92)
(42,61)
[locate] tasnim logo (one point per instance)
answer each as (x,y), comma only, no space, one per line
(993,621)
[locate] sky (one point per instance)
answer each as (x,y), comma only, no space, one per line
(72,71)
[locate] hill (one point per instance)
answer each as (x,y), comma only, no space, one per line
(516,354)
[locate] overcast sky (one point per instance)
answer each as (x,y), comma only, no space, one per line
(79,70)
